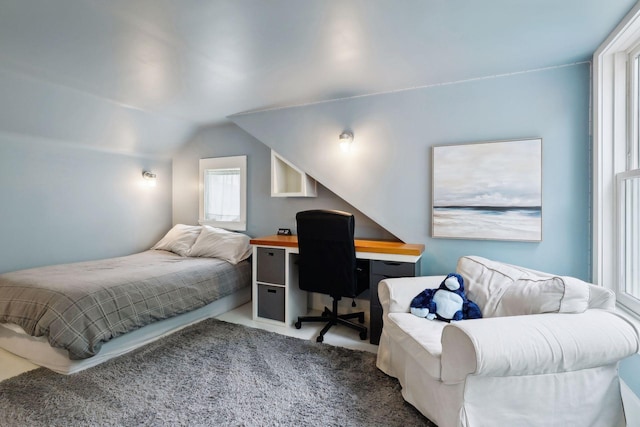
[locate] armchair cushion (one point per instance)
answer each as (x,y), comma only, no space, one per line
(421,339)
(506,290)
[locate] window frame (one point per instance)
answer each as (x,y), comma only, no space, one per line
(231,162)
(616,124)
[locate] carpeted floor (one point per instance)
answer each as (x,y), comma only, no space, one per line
(215,374)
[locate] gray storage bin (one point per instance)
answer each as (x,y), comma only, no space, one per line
(271,302)
(270,266)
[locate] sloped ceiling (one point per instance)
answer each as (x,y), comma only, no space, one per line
(141,76)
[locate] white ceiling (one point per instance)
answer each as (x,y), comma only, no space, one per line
(141,76)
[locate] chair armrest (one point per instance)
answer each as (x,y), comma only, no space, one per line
(396,294)
(535,344)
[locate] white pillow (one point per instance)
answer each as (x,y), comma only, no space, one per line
(218,243)
(508,290)
(179,239)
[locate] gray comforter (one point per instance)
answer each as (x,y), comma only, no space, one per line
(80,306)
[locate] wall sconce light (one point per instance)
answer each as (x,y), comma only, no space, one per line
(150,178)
(346,139)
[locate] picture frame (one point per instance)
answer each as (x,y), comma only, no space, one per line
(488,190)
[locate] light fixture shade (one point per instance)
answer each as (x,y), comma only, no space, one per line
(150,178)
(346,139)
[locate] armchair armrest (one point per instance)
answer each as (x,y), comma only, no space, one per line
(535,344)
(396,294)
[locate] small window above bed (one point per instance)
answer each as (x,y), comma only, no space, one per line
(223,192)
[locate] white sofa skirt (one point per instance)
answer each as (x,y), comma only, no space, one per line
(527,400)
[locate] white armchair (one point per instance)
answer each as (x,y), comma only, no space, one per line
(546,353)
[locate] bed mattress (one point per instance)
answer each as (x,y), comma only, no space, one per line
(78,307)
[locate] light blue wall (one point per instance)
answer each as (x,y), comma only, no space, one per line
(61,203)
(388,175)
(265,214)
(630,372)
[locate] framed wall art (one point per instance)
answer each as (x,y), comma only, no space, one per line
(488,190)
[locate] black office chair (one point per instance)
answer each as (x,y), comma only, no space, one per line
(327,265)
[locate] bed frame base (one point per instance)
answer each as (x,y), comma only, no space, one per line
(38,351)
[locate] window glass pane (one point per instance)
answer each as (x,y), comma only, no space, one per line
(630,234)
(222,194)
(633,149)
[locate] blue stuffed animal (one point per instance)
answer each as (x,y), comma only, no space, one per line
(448,302)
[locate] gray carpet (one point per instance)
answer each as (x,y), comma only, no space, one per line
(214,374)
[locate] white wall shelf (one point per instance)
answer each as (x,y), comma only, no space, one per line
(289,181)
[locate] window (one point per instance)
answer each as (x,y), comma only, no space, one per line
(616,162)
(628,195)
(223,192)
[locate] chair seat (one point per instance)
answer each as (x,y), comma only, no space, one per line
(421,338)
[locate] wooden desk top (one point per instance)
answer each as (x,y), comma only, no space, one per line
(375,246)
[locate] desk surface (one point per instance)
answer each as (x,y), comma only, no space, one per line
(374,246)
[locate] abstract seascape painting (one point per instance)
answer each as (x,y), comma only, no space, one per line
(488,190)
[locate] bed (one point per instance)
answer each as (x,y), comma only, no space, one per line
(70,317)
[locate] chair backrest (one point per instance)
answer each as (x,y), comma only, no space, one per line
(327,255)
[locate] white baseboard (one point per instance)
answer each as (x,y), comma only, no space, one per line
(631,405)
